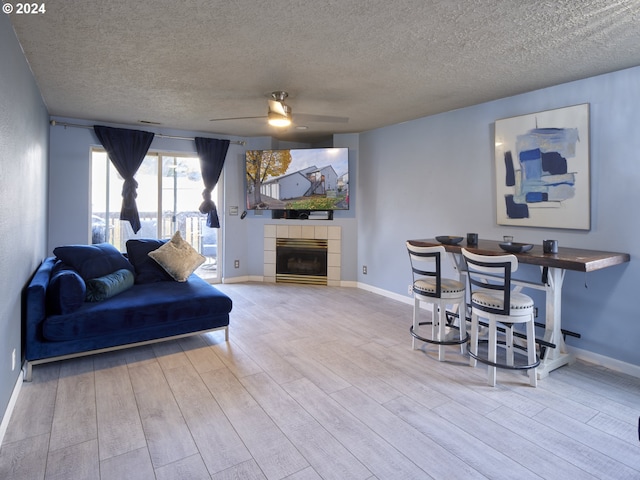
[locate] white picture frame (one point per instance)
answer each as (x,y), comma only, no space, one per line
(542,169)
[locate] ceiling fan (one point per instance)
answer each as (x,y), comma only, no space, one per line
(279,114)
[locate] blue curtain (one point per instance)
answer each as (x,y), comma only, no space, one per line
(126,149)
(212,153)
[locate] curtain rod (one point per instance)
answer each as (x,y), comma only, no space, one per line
(161,135)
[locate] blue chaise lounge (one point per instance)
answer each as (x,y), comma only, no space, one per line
(139,303)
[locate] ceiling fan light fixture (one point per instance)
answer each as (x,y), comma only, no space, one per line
(277,120)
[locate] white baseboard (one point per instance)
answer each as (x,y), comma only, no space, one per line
(607,362)
(385,293)
(258,278)
(12,403)
(241,279)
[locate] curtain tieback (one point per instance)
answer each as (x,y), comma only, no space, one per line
(129,188)
(207,205)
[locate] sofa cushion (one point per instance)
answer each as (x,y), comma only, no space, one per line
(101,288)
(178,258)
(93,261)
(66,290)
(147,269)
(153,307)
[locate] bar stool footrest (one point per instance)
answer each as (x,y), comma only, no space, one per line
(486,361)
(438,342)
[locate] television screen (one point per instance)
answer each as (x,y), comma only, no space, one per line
(298,179)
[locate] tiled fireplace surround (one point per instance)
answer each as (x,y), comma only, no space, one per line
(331,233)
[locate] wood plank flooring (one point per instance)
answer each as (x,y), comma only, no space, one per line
(316,383)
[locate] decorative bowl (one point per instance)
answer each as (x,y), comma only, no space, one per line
(513,247)
(447,240)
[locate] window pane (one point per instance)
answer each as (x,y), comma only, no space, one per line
(181,198)
(147,201)
(99,211)
(106,201)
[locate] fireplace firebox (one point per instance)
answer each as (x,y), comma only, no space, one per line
(301,260)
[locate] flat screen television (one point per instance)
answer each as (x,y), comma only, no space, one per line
(304,179)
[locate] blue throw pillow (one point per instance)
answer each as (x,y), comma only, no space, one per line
(147,270)
(101,288)
(93,261)
(66,290)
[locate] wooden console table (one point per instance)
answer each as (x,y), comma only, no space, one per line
(553,268)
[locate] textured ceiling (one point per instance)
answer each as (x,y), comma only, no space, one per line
(377,62)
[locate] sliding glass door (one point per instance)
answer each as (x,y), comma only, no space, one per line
(169,194)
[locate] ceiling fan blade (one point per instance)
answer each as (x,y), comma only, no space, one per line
(235,118)
(279,111)
(306,117)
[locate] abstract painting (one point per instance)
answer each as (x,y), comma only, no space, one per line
(542,169)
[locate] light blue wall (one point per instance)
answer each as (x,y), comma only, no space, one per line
(435,176)
(23,191)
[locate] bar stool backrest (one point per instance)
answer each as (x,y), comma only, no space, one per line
(426,262)
(491,272)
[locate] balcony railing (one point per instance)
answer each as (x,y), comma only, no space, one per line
(190,224)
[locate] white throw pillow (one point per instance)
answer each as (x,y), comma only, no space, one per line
(178,258)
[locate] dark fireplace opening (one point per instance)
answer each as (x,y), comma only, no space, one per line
(301,261)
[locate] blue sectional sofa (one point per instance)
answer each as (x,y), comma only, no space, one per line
(153,307)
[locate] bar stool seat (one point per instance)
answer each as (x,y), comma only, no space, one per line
(449,288)
(488,299)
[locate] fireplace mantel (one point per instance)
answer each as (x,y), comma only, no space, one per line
(333,234)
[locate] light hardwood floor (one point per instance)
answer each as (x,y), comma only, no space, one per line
(316,383)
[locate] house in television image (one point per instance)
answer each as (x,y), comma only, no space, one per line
(303,183)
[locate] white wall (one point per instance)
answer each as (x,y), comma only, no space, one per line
(23,191)
(435,176)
